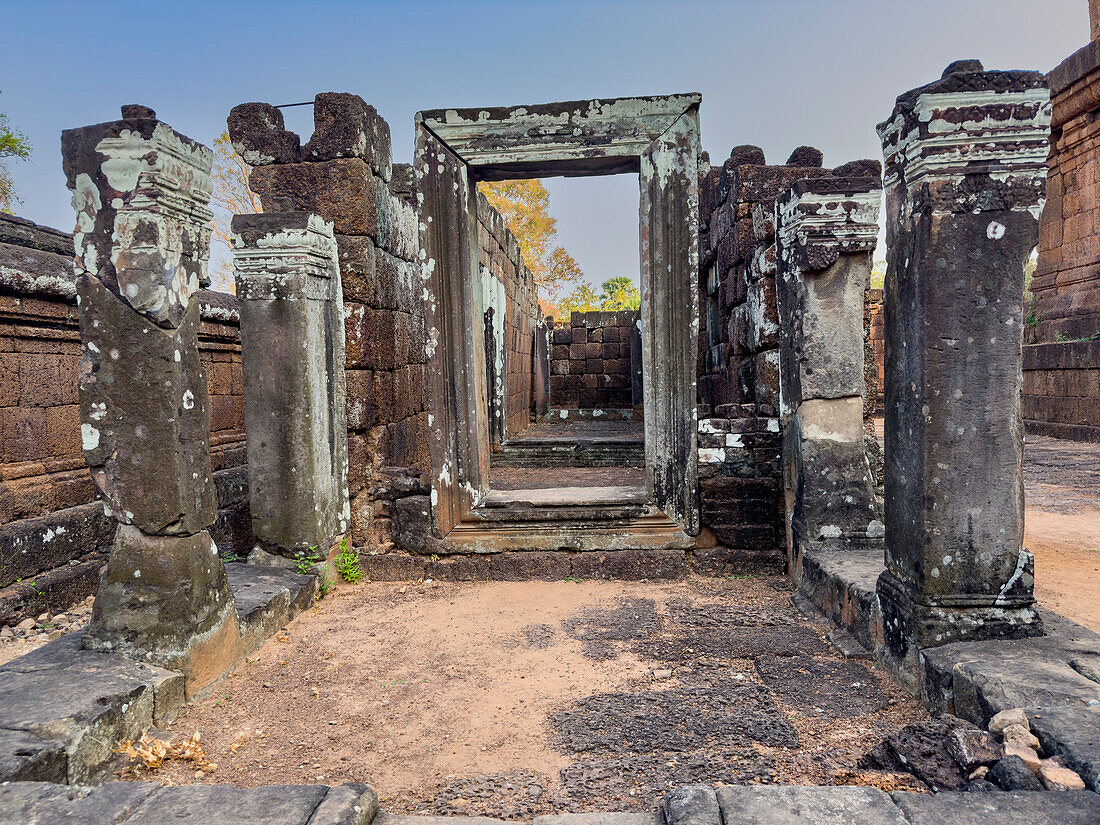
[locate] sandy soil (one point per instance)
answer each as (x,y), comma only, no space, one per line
(507,698)
(1062,525)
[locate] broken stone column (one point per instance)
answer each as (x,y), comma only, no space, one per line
(140,192)
(292,352)
(965,167)
(825,230)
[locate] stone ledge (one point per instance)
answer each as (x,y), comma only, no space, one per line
(841,584)
(1068,432)
(63,708)
(550,565)
(24,803)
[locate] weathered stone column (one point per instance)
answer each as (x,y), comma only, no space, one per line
(292,352)
(965,166)
(825,234)
(140,191)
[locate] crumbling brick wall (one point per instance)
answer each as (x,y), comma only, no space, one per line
(590,361)
(1066,284)
(52,530)
(513,284)
(739,444)
(874,327)
(1061,389)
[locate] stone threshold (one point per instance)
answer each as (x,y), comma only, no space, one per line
(129,803)
(63,708)
(1055,677)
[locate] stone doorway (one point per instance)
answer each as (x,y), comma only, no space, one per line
(655,137)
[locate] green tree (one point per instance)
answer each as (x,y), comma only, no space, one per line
(620,293)
(583,298)
(13,144)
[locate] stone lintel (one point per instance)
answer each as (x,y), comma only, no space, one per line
(585,137)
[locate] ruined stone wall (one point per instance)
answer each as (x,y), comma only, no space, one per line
(513,297)
(1061,389)
(51,527)
(345,174)
(590,363)
(1066,284)
(739,444)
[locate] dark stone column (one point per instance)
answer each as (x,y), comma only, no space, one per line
(292,351)
(540,389)
(140,191)
(965,166)
(825,234)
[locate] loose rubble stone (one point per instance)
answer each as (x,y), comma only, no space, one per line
(1005,719)
(1013,774)
(1057,777)
(1020,735)
(973,748)
(1026,754)
(922,749)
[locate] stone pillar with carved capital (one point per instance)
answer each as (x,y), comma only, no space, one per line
(964,175)
(292,349)
(826,230)
(140,192)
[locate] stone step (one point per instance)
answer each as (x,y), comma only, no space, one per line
(63,708)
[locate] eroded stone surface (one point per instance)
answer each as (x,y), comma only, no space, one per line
(965,165)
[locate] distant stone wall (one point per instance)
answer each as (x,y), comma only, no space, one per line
(590,362)
(51,526)
(1061,390)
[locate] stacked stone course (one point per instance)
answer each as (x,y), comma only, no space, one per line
(590,361)
(1061,391)
(739,449)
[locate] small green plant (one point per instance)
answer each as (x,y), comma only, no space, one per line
(305,560)
(347,562)
(1032,319)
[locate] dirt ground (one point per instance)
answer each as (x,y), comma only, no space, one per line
(515,699)
(1062,525)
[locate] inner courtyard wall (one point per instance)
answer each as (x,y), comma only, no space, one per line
(590,361)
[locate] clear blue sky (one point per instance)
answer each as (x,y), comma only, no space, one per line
(777,73)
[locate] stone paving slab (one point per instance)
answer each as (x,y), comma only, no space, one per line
(1000,807)
(146,803)
(984,678)
(778,805)
(63,709)
(409,819)
(600,819)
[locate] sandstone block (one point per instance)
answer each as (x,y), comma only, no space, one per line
(260,137)
(342,191)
